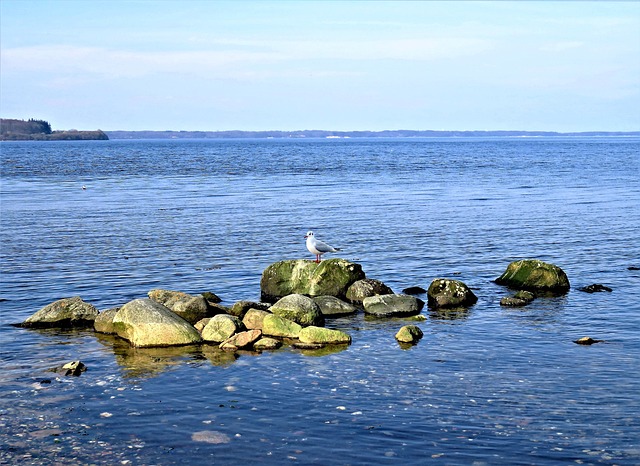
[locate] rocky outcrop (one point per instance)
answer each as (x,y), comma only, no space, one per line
(392,305)
(446,293)
(331,277)
(104,321)
(323,336)
(147,323)
(330,306)
(409,334)
(365,288)
(300,309)
(277,326)
(221,327)
(535,275)
(64,313)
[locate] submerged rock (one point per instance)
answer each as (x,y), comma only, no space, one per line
(414,290)
(445,293)
(587,341)
(330,306)
(147,323)
(365,288)
(300,309)
(331,277)
(104,321)
(67,312)
(535,275)
(595,288)
(74,368)
(409,334)
(521,298)
(392,305)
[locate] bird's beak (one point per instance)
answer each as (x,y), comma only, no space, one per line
(306,236)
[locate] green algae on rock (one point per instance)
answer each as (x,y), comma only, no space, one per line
(535,275)
(446,293)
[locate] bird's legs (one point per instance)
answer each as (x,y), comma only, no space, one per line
(318,259)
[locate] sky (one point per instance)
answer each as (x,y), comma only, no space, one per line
(331,65)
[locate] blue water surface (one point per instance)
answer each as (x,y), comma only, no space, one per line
(486,385)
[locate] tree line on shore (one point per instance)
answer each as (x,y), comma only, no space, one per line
(40,130)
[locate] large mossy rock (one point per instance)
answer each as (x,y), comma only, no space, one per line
(392,305)
(147,323)
(330,306)
(444,293)
(64,313)
(323,336)
(365,288)
(331,277)
(535,275)
(300,309)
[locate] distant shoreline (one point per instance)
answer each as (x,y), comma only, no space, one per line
(302,134)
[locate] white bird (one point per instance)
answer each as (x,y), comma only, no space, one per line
(318,247)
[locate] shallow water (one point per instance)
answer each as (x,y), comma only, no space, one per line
(487,385)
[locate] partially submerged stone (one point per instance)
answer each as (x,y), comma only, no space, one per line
(147,323)
(323,336)
(67,312)
(300,309)
(365,288)
(221,327)
(392,305)
(74,368)
(409,334)
(587,341)
(330,306)
(595,288)
(446,293)
(535,275)
(521,298)
(267,344)
(104,321)
(240,308)
(331,277)
(414,290)
(277,326)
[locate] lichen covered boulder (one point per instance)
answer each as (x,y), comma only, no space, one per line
(147,323)
(241,340)
(253,318)
(331,277)
(392,305)
(323,336)
(221,327)
(266,344)
(535,275)
(191,308)
(446,293)
(409,334)
(330,306)
(277,326)
(67,312)
(365,288)
(300,309)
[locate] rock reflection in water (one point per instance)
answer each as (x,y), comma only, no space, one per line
(457,313)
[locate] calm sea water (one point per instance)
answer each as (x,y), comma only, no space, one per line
(489,385)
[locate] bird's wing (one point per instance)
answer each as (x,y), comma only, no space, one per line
(324,247)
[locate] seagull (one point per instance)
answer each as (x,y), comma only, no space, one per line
(318,247)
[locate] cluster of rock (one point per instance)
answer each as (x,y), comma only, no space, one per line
(297,296)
